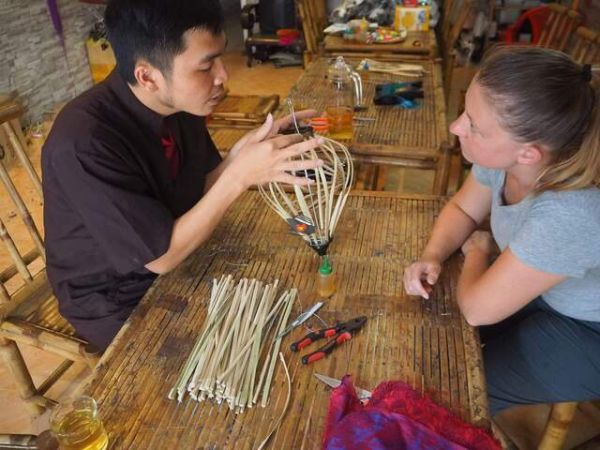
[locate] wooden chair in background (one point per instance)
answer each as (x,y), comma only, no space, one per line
(28,310)
(313,15)
(584,46)
(561,23)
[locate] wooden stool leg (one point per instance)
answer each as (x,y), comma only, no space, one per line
(14,360)
(558,425)
(381,178)
(442,171)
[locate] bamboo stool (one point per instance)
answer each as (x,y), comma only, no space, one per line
(28,310)
(557,426)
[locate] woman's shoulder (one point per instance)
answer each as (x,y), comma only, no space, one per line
(574,204)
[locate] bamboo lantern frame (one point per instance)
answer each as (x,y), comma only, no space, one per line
(318,205)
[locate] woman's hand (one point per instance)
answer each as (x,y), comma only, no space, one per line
(481,241)
(421,275)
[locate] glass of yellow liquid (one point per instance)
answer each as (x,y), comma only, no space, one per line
(340,122)
(77,426)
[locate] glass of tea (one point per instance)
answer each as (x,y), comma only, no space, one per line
(77,426)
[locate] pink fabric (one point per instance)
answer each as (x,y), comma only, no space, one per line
(397,417)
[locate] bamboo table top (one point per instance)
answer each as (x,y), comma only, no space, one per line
(427,344)
(418,43)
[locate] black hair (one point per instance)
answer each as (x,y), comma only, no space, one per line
(154,29)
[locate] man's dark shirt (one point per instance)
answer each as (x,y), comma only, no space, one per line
(110,201)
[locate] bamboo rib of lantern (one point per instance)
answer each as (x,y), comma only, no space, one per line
(317,202)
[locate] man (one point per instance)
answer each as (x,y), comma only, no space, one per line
(132,181)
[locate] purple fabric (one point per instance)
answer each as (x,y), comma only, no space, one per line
(397,417)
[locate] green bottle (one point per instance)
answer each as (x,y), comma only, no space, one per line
(326,282)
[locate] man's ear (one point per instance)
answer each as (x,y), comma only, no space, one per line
(530,154)
(146,75)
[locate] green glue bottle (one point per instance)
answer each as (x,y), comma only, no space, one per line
(326,282)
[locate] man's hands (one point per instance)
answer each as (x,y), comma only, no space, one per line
(261,156)
(421,275)
(269,129)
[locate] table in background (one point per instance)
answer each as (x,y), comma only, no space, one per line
(425,343)
(418,44)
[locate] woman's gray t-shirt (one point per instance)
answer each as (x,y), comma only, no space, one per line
(555,232)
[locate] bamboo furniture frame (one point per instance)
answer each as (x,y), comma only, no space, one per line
(561,23)
(313,15)
(557,426)
(427,344)
(584,46)
(28,310)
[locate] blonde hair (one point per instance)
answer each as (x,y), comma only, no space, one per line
(543,97)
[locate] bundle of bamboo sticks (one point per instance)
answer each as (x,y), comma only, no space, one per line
(323,201)
(234,358)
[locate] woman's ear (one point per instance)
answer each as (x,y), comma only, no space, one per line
(530,154)
(145,75)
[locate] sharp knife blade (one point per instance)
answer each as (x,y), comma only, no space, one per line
(300,319)
(363,394)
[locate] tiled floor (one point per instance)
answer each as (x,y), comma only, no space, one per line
(523,425)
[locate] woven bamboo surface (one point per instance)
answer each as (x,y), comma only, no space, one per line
(420,43)
(426,344)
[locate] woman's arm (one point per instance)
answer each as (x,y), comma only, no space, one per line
(457,220)
(488,294)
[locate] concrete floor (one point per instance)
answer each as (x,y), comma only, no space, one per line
(522,425)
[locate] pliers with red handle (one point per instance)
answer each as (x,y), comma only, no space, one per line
(341,333)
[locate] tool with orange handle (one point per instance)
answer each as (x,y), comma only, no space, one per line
(340,333)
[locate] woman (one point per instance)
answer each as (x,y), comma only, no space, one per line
(531,129)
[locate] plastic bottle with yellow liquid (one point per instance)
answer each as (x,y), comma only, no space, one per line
(326,283)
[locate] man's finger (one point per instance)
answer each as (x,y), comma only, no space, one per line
(302,147)
(286,140)
(263,131)
(298,165)
(290,179)
(288,120)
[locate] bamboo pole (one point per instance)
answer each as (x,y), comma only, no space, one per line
(20,151)
(22,210)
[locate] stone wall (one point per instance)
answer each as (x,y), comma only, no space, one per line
(33,62)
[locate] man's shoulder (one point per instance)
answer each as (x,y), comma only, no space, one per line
(89,117)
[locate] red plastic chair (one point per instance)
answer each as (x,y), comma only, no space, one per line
(537,17)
